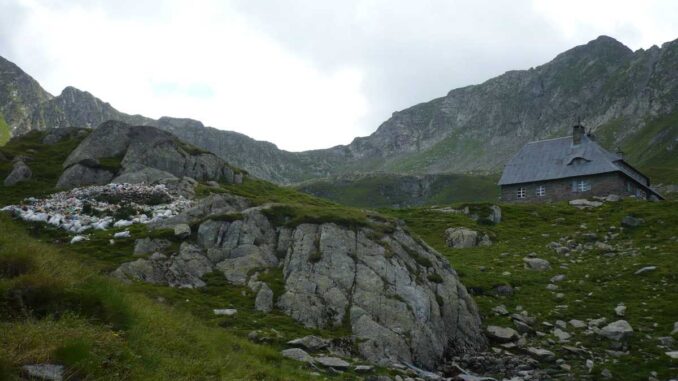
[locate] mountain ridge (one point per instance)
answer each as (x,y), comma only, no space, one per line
(619,93)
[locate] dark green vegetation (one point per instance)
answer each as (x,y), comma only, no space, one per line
(391,190)
(595,283)
(44,160)
(4,131)
(58,305)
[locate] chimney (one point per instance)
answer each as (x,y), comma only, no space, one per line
(578,131)
(620,153)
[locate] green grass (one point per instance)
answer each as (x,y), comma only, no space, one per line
(594,284)
(73,314)
(390,190)
(5,132)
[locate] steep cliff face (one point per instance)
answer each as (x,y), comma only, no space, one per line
(628,98)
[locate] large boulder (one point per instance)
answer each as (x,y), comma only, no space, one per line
(461,238)
(20,172)
(401,299)
(79,174)
(142,154)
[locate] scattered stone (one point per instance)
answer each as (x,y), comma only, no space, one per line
(332,362)
(645,269)
(597,322)
(606,374)
(182,231)
(20,172)
(522,327)
(666,341)
(541,354)
(551,287)
(583,203)
(461,238)
(577,323)
(672,354)
(500,310)
(561,335)
(47,372)
(612,198)
(620,310)
(311,343)
(225,311)
(631,222)
(675,328)
(617,331)
(363,368)
(78,238)
(558,278)
(589,365)
(298,355)
(264,300)
(602,246)
(503,290)
(536,264)
(123,234)
(502,334)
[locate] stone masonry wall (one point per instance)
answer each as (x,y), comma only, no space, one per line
(561,189)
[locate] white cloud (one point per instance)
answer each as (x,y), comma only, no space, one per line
(301,73)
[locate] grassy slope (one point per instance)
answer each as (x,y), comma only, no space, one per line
(4,131)
(103,329)
(594,284)
(44,160)
(385,190)
(652,149)
(138,331)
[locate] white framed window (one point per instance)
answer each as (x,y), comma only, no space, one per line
(581,185)
(522,192)
(541,191)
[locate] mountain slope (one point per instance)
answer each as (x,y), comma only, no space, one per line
(627,97)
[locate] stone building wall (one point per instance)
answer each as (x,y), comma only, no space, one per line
(561,189)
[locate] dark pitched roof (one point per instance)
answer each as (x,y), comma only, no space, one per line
(560,158)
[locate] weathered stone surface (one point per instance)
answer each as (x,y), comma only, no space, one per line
(311,343)
(147,154)
(331,271)
(264,300)
(583,203)
(47,372)
(617,331)
(298,355)
(182,270)
(332,362)
(536,264)
(502,334)
(461,238)
(541,354)
(78,174)
(20,172)
(149,246)
(182,231)
(137,174)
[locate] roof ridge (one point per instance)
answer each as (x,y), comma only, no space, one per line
(546,140)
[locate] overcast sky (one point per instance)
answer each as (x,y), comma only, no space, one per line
(308,73)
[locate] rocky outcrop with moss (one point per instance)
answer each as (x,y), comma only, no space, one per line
(399,300)
(118,152)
